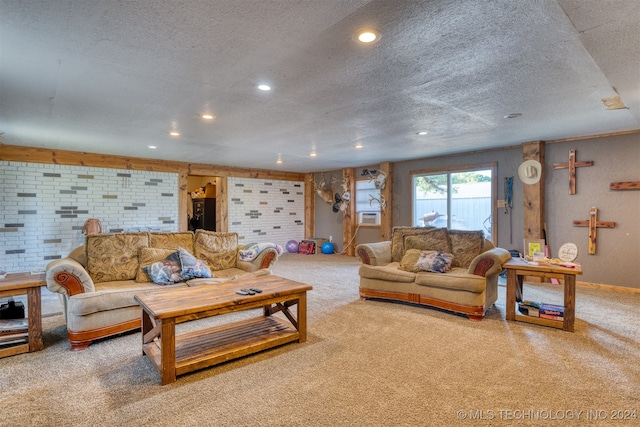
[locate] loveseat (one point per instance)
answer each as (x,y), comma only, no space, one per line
(97,281)
(389,269)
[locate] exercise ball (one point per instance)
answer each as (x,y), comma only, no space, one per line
(292,246)
(328,248)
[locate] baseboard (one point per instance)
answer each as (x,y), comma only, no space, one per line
(609,288)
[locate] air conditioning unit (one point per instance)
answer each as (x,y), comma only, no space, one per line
(369,218)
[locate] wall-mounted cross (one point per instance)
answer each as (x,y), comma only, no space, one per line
(625,185)
(572,165)
(593,225)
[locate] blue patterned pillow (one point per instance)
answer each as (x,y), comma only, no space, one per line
(193,267)
(167,271)
(435,261)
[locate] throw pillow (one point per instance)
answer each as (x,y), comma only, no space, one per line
(167,271)
(148,256)
(192,267)
(409,260)
(434,261)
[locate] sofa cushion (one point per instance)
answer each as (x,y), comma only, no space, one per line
(389,272)
(409,260)
(114,256)
(397,240)
(456,279)
(172,240)
(434,239)
(146,257)
(219,250)
(465,246)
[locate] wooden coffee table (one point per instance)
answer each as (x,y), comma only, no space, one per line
(175,355)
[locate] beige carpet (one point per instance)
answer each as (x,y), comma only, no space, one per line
(366,363)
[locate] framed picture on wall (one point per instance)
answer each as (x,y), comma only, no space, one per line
(532,246)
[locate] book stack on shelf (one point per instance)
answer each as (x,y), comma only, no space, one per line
(551,311)
(542,310)
(13,331)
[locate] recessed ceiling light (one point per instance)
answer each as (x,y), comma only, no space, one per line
(152,147)
(279,161)
(367,35)
(358,145)
(208,116)
(174,133)
(264,87)
(313,154)
(513,115)
(422,133)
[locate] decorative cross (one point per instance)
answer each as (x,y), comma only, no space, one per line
(625,185)
(572,165)
(593,224)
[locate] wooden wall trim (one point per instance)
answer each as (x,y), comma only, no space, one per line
(602,135)
(15,153)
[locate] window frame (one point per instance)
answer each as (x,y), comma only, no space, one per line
(373,208)
(493,166)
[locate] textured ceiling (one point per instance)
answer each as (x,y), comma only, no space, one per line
(114,77)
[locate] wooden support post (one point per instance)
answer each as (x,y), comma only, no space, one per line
(222,204)
(593,225)
(349,219)
(309,207)
(386,214)
(572,165)
(533,194)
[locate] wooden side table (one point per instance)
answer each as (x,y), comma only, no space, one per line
(26,284)
(518,268)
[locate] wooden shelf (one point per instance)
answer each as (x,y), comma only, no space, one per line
(207,347)
(559,324)
(25,284)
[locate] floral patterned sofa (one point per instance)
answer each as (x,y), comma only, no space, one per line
(97,281)
(393,270)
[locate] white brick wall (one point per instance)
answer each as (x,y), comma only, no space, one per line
(266,210)
(45,206)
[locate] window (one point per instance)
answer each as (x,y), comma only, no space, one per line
(367,202)
(460,199)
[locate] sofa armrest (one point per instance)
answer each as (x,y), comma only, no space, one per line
(489,263)
(378,253)
(68,277)
(265,259)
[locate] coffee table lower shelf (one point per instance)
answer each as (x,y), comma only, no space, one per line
(207,347)
(559,324)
